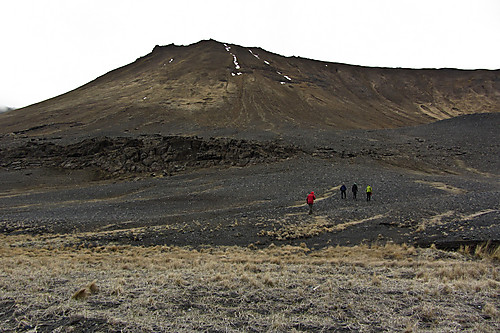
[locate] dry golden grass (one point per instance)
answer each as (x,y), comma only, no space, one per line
(442,186)
(279,288)
(438,218)
(433,221)
(314,227)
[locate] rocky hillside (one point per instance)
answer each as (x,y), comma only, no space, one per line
(214,88)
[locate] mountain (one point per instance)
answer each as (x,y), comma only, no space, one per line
(211,88)
(245,135)
(4,108)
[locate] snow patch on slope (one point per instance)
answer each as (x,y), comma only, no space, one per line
(255,55)
(237,66)
(235,60)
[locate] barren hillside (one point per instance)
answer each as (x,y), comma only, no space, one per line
(214,88)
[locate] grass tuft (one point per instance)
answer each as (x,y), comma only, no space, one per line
(491,310)
(93,288)
(482,251)
(81,294)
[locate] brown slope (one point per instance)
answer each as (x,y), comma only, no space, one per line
(199,88)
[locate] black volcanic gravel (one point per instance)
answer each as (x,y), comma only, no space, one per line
(422,195)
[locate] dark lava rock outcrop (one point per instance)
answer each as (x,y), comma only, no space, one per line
(147,154)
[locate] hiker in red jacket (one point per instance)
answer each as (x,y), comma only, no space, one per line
(310,201)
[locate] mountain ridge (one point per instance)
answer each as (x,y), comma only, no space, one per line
(212,87)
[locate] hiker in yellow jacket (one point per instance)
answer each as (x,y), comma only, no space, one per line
(368,193)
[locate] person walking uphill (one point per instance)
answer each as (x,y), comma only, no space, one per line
(310,201)
(343,191)
(368,193)
(354,191)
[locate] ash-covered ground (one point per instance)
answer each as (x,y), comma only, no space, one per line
(433,184)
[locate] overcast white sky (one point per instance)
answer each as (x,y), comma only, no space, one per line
(49,47)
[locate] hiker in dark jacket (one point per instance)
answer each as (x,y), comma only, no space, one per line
(354,191)
(343,191)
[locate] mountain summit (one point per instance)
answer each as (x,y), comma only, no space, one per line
(212,87)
